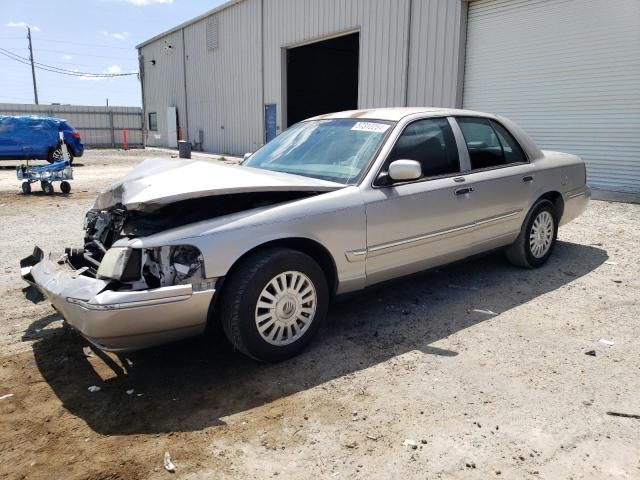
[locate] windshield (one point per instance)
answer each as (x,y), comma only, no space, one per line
(336,150)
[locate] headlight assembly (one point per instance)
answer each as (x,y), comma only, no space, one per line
(121,263)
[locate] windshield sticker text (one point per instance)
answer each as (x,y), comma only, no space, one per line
(370,127)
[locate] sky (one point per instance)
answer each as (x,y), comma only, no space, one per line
(95,36)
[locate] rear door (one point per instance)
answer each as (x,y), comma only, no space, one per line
(422,223)
(10,142)
(501,179)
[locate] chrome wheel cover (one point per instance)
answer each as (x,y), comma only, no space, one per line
(541,234)
(285,308)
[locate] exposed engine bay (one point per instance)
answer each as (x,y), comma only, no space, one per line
(136,269)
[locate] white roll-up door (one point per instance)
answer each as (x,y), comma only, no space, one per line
(568,72)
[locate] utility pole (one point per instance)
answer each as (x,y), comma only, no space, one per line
(33,68)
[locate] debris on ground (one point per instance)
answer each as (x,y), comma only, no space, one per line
(460,287)
(94,388)
(8,395)
(130,391)
(168,464)
(610,263)
(591,353)
(608,343)
(410,443)
(486,312)
(625,415)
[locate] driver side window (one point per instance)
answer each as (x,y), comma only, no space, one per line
(431,142)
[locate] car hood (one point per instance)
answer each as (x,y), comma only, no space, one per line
(158,181)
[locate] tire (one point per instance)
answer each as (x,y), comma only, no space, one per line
(47,187)
(55,154)
(26,188)
(285,332)
(535,244)
(65,186)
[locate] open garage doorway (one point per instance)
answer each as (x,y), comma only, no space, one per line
(322,77)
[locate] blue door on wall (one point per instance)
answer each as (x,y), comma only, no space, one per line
(269,122)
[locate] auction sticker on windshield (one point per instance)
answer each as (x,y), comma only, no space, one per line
(370,127)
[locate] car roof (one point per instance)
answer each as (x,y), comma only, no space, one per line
(34,117)
(396,114)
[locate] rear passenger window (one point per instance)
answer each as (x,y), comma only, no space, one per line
(489,143)
(430,142)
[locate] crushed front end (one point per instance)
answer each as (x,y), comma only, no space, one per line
(123,298)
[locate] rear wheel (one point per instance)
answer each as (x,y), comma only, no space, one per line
(65,186)
(534,245)
(56,154)
(273,304)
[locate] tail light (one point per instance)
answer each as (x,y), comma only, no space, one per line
(75,134)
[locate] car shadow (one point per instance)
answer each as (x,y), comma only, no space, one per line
(191,385)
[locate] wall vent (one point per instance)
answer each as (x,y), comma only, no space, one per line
(212,32)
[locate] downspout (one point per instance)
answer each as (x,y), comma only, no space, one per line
(184,78)
(262,105)
(144,110)
(462,53)
(408,49)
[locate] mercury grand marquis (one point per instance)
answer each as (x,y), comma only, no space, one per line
(334,204)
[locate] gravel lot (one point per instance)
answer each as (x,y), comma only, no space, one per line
(414,379)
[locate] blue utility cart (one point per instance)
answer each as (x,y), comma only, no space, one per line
(59,171)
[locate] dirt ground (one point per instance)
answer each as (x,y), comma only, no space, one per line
(415,379)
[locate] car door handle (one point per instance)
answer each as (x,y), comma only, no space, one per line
(464,191)
(528,178)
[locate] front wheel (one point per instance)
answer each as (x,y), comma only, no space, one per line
(273,304)
(534,245)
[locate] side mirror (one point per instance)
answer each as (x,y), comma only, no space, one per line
(402,170)
(247,155)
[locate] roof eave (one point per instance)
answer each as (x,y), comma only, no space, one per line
(206,14)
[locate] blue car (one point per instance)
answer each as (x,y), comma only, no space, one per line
(27,137)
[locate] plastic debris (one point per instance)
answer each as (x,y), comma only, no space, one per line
(168,464)
(610,263)
(8,395)
(94,388)
(608,343)
(410,443)
(130,392)
(486,312)
(591,353)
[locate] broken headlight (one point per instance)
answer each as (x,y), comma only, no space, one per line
(121,263)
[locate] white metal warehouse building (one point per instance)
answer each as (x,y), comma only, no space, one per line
(567,71)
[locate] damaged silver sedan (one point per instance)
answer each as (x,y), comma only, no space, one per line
(334,204)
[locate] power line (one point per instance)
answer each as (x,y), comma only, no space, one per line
(62,71)
(71,43)
(85,44)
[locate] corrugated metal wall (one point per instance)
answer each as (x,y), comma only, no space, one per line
(99,127)
(435,53)
(225,86)
(568,71)
(163,84)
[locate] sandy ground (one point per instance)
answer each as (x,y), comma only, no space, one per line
(404,381)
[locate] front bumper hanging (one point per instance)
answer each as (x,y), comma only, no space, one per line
(117,320)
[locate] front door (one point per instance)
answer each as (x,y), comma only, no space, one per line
(415,225)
